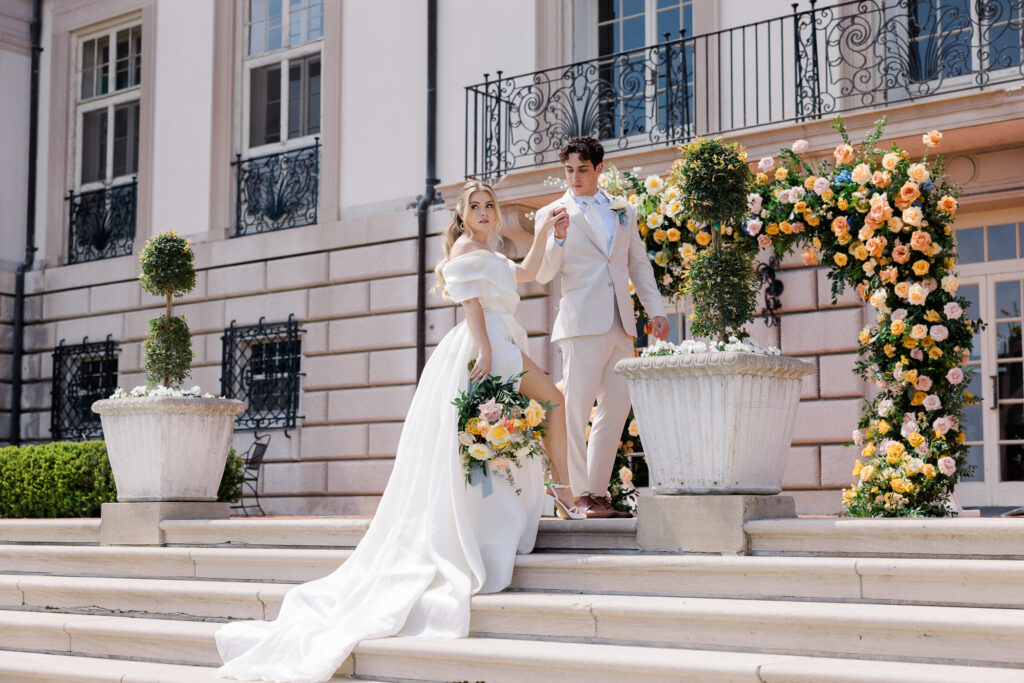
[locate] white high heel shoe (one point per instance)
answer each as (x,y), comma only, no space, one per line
(561,509)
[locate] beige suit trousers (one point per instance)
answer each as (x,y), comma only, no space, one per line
(588,367)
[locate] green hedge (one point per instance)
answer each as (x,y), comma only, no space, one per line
(73,479)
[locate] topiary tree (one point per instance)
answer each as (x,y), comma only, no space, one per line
(167,270)
(714,179)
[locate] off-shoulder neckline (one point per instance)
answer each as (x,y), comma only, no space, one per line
(470,253)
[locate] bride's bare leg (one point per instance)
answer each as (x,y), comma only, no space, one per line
(536,385)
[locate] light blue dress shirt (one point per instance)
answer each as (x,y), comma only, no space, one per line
(604,212)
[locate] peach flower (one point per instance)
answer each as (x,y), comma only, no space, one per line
(861,174)
(881,179)
(840,226)
(912,215)
(918,173)
(895,224)
(948,205)
(843,154)
(921,241)
(901,254)
(932,138)
(889,161)
(876,246)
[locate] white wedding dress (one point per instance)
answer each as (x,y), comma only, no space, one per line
(434,540)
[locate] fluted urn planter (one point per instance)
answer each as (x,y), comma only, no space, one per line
(717,422)
(165,448)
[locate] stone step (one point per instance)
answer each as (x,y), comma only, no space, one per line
(906,632)
(987,538)
(50,531)
(950,582)
(513,660)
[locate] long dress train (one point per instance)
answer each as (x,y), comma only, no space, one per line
(434,541)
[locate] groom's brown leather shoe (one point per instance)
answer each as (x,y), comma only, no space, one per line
(599,508)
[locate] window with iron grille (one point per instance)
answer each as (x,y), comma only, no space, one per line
(82,373)
(261,366)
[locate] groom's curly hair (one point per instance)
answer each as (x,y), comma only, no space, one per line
(587,147)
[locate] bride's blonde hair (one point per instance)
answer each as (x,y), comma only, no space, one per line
(457,225)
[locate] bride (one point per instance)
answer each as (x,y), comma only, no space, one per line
(434,540)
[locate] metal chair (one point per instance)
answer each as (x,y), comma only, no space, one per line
(252,459)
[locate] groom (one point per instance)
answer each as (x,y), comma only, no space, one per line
(598,251)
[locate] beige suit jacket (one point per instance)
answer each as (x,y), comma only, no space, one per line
(595,279)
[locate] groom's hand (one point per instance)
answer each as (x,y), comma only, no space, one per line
(561,223)
(659,327)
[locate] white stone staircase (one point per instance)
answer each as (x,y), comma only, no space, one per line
(820,600)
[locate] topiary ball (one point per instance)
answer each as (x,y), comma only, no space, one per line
(167,265)
(714,179)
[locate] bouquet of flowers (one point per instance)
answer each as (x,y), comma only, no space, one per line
(498,427)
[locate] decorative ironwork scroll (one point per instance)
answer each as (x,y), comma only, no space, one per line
(767,273)
(82,373)
(102,222)
(260,365)
(809,65)
(277,191)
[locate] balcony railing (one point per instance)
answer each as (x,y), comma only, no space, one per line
(277,191)
(804,66)
(102,222)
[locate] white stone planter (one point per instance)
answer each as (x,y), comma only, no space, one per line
(165,448)
(714,423)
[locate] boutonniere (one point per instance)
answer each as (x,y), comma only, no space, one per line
(620,206)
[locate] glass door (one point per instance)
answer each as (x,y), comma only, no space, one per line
(995,426)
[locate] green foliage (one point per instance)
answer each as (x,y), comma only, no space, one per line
(73,479)
(724,289)
(168,351)
(231,484)
(714,178)
(167,265)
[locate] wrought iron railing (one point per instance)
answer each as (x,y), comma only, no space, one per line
(808,65)
(261,366)
(102,222)
(277,191)
(82,373)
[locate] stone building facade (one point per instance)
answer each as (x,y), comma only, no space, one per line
(181,104)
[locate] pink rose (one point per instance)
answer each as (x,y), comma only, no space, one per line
(766,164)
(908,428)
(490,411)
(955,376)
(858,437)
(820,185)
(953,310)
(917,354)
(754,227)
(754,202)
(939,333)
(884,407)
(924,383)
(922,450)
(798,227)
(796,194)
(764,241)
(931,284)
(932,402)
(500,463)
(800,146)
(785,197)
(943,424)
(947,465)
(899,314)
(466,439)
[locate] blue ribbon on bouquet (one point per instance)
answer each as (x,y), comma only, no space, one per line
(483,481)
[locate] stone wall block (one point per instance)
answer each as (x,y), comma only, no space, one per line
(314,339)
(372,404)
(313,407)
(6,338)
(396,293)
(36,396)
(393,330)
(761,333)
(821,332)
(802,468)
(837,464)
(359,477)
(130,357)
(540,353)
(95,327)
(207,377)
(800,289)
(384,438)
(838,378)
(40,337)
(247,278)
(825,421)
(275,308)
(207,316)
(393,366)
(373,261)
(440,321)
(532,314)
(336,370)
(335,441)
(120,296)
(66,304)
(299,271)
(42,365)
(339,301)
(849,297)
(294,478)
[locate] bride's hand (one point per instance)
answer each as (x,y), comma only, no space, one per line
(557,219)
(482,367)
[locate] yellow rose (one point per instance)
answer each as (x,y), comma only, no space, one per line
(812,220)
(918,399)
(896,451)
(901,289)
(889,350)
(865,336)
(868,451)
(857,467)
(534,413)
(867,472)
(674,235)
(935,352)
(800,206)
(781,173)
(897,327)
(928,470)
(762,179)
(703,239)
(919,331)
(883,427)
(921,267)
(932,316)
(843,204)
(659,236)
(809,182)
(786,227)
(861,253)
(961,437)
(840,259)
(861,174)
(911,376)
(915,439)
(828,194)
(909,343)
